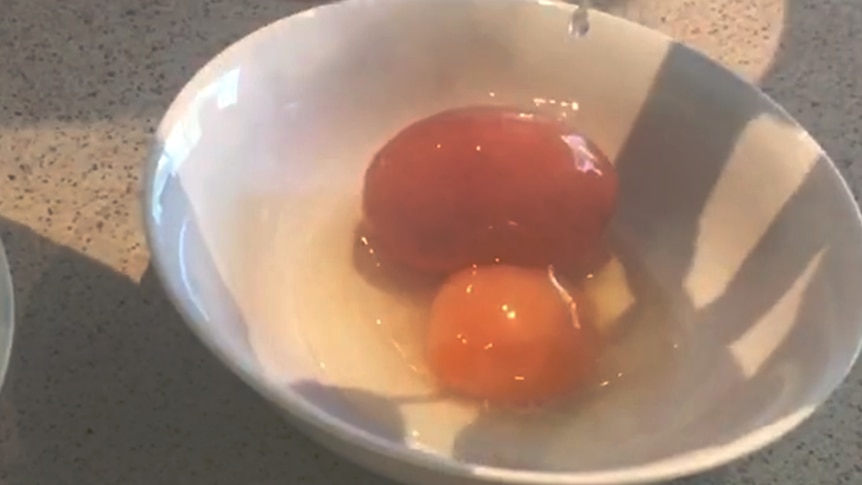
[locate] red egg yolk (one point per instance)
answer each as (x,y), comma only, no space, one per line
(508,335)
(489,184)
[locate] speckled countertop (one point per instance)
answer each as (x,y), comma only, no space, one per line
(107,386)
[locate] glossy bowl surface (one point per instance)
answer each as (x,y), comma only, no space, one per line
(7,314)
(742,221)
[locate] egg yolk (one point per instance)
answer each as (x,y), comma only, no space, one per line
(489,184)
(508,335)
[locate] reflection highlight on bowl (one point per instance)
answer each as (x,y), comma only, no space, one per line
(735,241)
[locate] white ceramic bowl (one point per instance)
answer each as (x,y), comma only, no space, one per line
(7,314)
(749,235)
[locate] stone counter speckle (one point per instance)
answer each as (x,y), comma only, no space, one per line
(107,385)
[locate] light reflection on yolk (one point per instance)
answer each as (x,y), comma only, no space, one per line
(584,157)
(473,185)
(508,335)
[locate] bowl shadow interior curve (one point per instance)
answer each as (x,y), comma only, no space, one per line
(747,231)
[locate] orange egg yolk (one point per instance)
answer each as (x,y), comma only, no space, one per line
(508,335)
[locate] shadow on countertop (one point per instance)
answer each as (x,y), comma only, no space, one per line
(144,402)
(819,80)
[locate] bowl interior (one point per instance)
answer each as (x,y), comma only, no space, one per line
(740,268)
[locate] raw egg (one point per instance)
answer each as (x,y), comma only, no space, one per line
(489,184)
(509,335)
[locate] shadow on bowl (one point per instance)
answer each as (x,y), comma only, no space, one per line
(105,367)
(762,286)
(777,271)
(144,328)
(344,402)
(137,389)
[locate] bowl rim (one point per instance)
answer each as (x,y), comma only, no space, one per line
(7,314)
(677,466)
